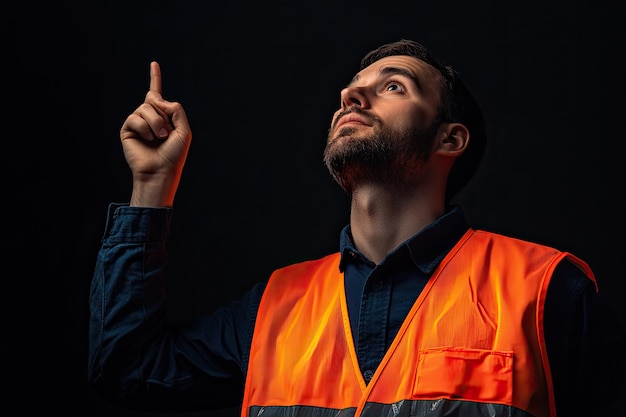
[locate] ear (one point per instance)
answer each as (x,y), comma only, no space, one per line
(452,139)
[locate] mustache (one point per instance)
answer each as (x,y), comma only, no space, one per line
(349,110)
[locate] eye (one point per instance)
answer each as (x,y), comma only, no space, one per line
(394,86)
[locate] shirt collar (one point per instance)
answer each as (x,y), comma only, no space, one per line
(426,248)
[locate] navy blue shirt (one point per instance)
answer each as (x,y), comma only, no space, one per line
(138,359)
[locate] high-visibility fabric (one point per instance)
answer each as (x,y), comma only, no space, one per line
(472,344)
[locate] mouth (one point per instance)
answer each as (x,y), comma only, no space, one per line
(352,119)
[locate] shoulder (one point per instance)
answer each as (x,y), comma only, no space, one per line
(327,261)
(515,249)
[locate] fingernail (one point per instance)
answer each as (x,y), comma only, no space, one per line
(162,132)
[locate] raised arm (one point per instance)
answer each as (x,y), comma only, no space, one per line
(138,358)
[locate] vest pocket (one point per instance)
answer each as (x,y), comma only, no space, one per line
(470,374)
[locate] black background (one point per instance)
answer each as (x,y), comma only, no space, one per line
(259,81)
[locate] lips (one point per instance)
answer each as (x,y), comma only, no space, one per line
(352,118)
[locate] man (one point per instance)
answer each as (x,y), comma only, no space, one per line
(418,314)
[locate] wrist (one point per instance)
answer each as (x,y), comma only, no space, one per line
(153,194)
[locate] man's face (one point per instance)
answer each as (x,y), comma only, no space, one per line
(383,131)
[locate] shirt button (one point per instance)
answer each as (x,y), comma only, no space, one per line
(368,375)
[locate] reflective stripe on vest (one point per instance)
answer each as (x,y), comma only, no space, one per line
(472,343)
(404,408)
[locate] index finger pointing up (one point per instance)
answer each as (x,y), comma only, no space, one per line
(155,77)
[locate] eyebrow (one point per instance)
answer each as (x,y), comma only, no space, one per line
(392,71)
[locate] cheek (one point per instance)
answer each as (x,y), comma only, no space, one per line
(403,119)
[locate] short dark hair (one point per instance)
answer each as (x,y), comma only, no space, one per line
(457,105)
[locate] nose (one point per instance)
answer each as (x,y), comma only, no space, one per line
(352,95)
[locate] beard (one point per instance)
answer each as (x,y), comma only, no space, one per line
(384,156)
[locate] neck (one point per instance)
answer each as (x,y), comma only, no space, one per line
(381,218)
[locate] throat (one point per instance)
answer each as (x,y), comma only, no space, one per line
(381,220)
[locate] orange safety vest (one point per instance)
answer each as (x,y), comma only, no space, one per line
(471,345)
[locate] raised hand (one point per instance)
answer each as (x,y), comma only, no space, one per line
(155,139)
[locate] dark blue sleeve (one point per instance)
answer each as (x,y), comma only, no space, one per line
(586,344)
(137,358)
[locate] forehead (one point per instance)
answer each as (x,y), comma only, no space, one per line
(425,76)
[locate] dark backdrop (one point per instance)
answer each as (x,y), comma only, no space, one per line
(260,81)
